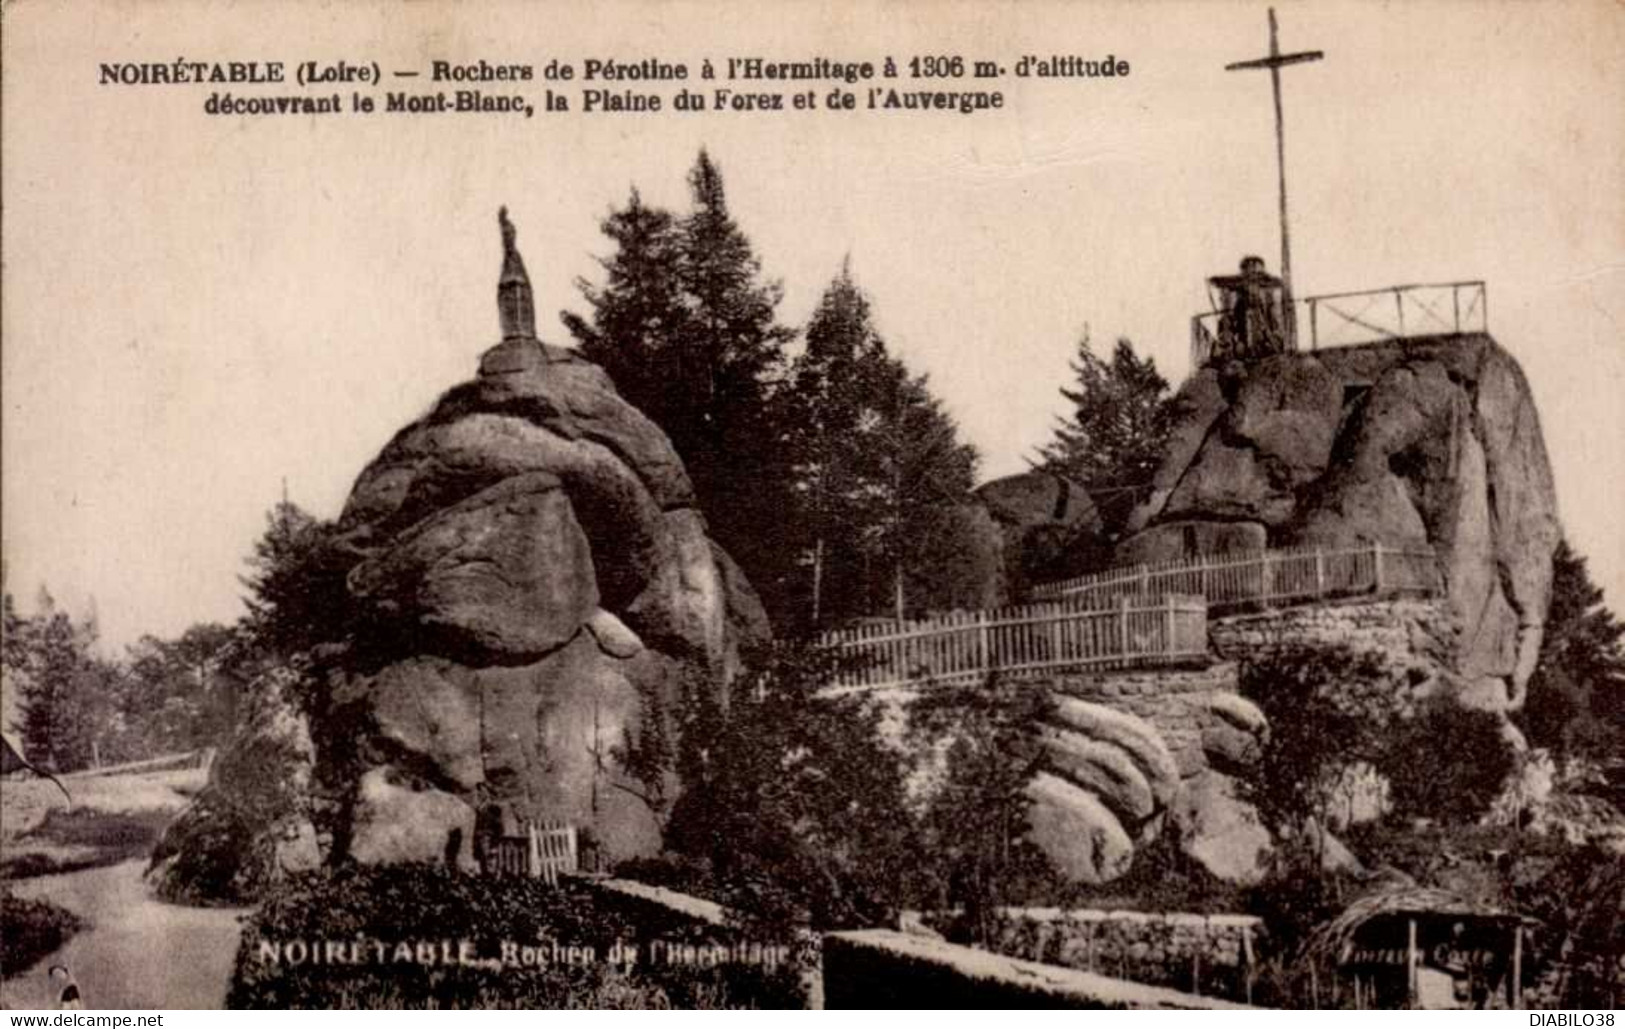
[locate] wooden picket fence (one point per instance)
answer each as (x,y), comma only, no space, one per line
(968,645)
(1279,577)
(541,853)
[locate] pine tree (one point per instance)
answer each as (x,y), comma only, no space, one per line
(1114,439)
(296,588)
(830,400)
(64,691)
(882,478)
(687,327)
(922,473)
(639,311)
(1576,700)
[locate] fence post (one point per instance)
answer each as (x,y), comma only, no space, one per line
(1145,579)
(981,638)
(1169,647)
(1314,329)
(1265,575)
(1399,306)
(1376,565)
(1320,572)
(1122,620)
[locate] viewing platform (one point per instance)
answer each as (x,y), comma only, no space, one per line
(1248,319)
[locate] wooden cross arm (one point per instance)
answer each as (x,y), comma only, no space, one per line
(1277,60)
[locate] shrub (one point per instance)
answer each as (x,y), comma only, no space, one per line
(222,849)
(794,803)
(31,929)
(411,904)
(1448,763)
(1328,708)
(973,827)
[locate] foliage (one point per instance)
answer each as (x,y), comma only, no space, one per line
(412,903)
(222,849)
(1447,762)
(79,838)
(881,477)
(793,801)
(1328,707)
(1581,905)
(1576,701)
(165,695)
(923,472)
(69,696)
(31,929)
(974,823)
(1113,441)
(830,403)
(297,597)
(181,693)
(686,327)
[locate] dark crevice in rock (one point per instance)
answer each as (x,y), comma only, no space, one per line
(414,769)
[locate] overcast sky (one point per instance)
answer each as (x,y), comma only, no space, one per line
(197,308)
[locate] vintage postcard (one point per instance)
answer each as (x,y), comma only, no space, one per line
(843,504)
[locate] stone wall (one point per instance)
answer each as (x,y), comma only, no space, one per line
(883,969)
(1177,702)
(1211,954)
(1412,633)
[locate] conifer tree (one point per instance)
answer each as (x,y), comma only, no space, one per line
(639,310)
(832,406)
(1113,440)
(1576,701)
(686,326)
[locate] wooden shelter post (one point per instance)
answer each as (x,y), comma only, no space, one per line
(1517,966)
(1410,963)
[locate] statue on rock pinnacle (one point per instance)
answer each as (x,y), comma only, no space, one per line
(514,303)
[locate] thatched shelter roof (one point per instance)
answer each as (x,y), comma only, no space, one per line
(1334,942)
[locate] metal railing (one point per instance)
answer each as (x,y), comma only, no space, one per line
(1367,316)
(1429,309)
(1263,577)
(1139,631)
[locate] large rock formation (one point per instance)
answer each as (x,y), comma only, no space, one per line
(537,587)
(1130,756)
(1044,522)
(1429,441)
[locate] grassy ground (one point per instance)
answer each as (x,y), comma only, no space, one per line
(396,917)
(111,819)
(70,841)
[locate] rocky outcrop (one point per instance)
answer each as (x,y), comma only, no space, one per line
(536,586)
(1044,521)
(1113,780)
(252,822)
(1429,441)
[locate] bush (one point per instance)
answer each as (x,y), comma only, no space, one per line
(1328,708)
(412,904)
(794,804)
(223,847)
(31,929)
(1447,763)
(975,853)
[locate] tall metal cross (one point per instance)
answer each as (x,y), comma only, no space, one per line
(1275,62)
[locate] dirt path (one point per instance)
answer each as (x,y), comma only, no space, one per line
(139,952)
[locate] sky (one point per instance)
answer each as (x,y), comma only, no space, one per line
(197,309)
